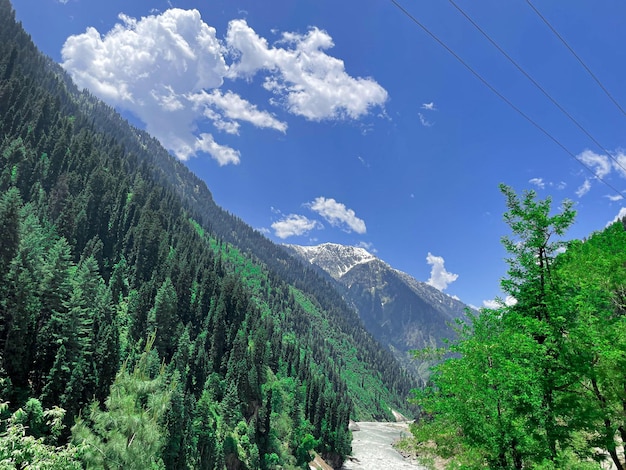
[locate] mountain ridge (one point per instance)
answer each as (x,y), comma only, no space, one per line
(401,312)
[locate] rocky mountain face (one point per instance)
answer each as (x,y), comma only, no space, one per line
(401,312)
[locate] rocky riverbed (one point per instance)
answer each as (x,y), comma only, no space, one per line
(372,449)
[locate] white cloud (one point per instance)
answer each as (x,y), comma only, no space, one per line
(537,182)
(367,246)
(497,303)
(429,106)
(234,107)
(223,154)
(338,214)
(620,215)
(614,197)
(167,69)
(303,78)
(151,67)
(439,277)
(620,163)
(599,163)
(294,224)
(425,122)
(584,188)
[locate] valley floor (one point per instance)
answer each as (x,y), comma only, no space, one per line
(372,448)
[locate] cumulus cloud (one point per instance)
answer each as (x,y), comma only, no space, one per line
(168,70)
(294,224)
(302,77)
(152,67)
(439,277)
(537,182)
(338,215)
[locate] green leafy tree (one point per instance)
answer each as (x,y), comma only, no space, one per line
(19,448)
(503,400)
(594,273)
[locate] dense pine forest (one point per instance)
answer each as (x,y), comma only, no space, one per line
(538,384)
(141,326)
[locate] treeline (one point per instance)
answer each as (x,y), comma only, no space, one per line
(538,384)
(123,303)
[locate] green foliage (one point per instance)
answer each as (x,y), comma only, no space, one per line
(128,434)
(19,448)
(538,384)
(107,239)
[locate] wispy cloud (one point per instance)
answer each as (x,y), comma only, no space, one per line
(537,182)
(338,215)
(228,108)
(425,122)
(429,106)
(294,224)
(614,197)
(367,246)
(439,277)
(583,188)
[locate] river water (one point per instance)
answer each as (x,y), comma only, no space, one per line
(372,450)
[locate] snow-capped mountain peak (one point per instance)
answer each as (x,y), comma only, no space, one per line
(335,259)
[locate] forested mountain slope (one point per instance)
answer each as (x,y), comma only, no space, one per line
(401,312)
(199,343)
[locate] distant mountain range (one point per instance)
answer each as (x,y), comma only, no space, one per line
(401,312)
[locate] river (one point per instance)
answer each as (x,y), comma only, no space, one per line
(372,450)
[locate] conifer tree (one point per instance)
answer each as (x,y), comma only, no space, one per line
(128,433)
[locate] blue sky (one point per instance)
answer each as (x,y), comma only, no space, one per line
(326,121)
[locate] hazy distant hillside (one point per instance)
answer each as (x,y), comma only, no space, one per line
(401,312)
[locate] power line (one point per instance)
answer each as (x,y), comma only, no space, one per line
(537,85)
(556,33)
(501,96)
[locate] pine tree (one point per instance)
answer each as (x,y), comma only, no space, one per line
(128,433)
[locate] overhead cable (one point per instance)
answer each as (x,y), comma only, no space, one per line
(501,96)
(538,86)
(597,80)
